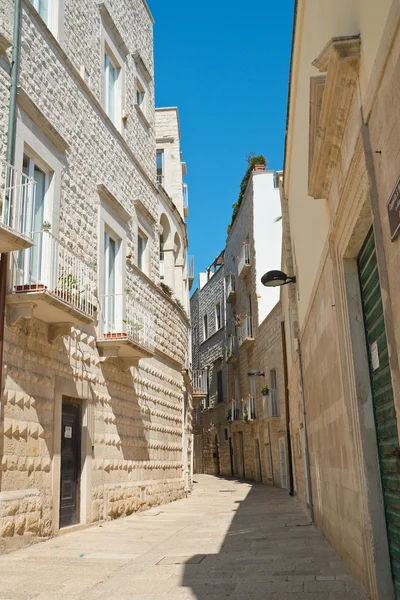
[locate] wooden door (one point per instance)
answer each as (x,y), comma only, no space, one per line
(70,464)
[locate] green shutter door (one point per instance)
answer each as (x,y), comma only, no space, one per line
(382,391)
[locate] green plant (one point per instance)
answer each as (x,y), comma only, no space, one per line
(264,390)
(278,219)
(46,225)
(135,324)
(229,415)
(245,413)
(166,289)
(179,303)
(69,283)
(252,160)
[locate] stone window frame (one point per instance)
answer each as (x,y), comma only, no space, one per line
(34,142)
(317,86)
(218,304)
(113,46)
(55,22)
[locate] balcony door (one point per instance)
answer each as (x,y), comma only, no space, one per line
(110,282)
(29,262)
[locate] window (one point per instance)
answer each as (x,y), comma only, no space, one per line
(140,96)
(160,165)
(218,316)
(142,247)
(29,263)
(43,8)
(274,394)
(110,256)
(111,73)
(205,327)
(220,387)
(226,434)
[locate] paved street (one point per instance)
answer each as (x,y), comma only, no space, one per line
(227,540)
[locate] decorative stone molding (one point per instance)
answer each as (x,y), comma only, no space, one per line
(40,120)
(112,201)
(108,21)
(340,61)
(142,66)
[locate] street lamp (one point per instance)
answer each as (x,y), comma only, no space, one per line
(276,279)
(255,374)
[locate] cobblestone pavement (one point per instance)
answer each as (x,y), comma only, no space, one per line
(227,540)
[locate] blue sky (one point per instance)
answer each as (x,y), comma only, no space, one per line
(225,65)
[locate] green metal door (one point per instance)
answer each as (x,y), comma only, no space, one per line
(382,391)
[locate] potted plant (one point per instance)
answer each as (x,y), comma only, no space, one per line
(166,289)
(238,320)
(229,415)
(46,225)
(264,390)
(245,413)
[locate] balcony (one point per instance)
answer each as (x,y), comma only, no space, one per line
(190,271)
(230,288)
(16,193)
(199,383)
(232,349)
(160,179)
(245,332)
(185,201)
(235,412)
(250,412)
(270,405)
(244,260)
(51,283)
(126,330)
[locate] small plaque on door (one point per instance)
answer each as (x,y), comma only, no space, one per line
(374,356)
(68,431)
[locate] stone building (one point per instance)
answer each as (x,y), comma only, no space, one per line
(242,430)
(96,406)
(340,207)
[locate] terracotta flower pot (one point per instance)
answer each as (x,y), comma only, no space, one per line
(33,287)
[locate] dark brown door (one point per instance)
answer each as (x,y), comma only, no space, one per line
(70,464)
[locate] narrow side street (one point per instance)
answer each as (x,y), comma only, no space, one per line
(227,540)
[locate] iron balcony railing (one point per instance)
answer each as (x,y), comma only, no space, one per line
(253,407)
(244,257)
(230,286)
(245,330)
(199,380)
(232,347)
(121,317)
(185,196)
(270,404)
(236,409)
(160,179)
(17,193)
(49,265)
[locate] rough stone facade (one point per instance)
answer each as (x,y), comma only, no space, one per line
(228,438)
(350,496)
(135,442)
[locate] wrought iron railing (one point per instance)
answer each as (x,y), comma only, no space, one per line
(244,257)
(199,380)
(245,329)
(49,265)
(17,192)
(123,317)
(230,285)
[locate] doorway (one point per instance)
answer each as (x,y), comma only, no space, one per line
(70,464)
(382,397)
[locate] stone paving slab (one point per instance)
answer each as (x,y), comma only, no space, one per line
(229,539)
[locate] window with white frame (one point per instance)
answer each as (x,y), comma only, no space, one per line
(111,247)
(142,251)
(218,321)
(205,327)
(141,96)
(160,166)
(111,88)
(43,8)
(32,218)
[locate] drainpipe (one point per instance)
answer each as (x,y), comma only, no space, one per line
(287,410)
(10,156)
(306,450)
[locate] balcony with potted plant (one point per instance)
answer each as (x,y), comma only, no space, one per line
(270,404)
(16,193)
(126,330)
(52,283)
(199,385)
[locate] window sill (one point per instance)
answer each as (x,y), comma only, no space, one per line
(142,116)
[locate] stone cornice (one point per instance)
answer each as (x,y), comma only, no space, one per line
(40,120)
(140,207)
(112,201)
(5,42)
(113,28)
(340,60)
(142,66)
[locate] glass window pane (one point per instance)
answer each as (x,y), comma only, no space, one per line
(37,223)
(43,10)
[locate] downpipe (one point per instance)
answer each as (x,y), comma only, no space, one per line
(306,449)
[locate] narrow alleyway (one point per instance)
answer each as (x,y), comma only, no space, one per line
(227,540)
